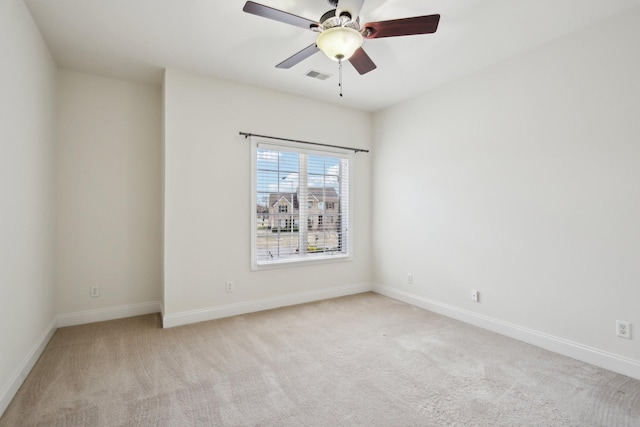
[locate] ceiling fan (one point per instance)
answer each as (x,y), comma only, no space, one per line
(340,33)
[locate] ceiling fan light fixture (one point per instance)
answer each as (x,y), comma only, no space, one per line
(339,43)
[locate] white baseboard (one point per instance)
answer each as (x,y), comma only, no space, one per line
(593,356)
(16,380)
(194,316)
(111,313)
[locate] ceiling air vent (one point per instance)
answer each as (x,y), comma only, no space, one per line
(317,75)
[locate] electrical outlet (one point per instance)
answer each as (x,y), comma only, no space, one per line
(623,329)
(409,278)
(229,286)
(95,291)
(474,295)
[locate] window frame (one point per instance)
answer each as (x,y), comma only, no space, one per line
(279,145)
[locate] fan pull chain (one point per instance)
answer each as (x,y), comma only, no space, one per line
(340,78)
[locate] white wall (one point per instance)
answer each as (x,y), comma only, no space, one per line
(522,181)
(207,191)
(109,185)
(27,85)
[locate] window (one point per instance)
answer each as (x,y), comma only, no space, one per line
(284,176)
(329,205)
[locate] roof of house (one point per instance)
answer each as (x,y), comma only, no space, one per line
(329,193)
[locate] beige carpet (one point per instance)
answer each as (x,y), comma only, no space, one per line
(363,360)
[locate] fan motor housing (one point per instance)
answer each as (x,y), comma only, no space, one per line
(328,15)
(330,20)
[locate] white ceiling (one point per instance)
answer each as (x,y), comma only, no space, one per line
(136,39)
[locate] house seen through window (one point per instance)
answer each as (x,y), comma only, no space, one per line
(301,205)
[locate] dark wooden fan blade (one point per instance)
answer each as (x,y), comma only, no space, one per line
(361,62)
(402,27)
(278,15)
(298,57)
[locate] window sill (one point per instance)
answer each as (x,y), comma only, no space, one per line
(286,263)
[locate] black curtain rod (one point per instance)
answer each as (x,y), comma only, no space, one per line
(356,150)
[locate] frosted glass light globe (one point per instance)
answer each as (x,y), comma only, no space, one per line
(339,43)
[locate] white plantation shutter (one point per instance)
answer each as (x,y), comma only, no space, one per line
(300,204)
